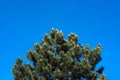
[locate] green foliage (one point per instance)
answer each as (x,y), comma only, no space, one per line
(56,58)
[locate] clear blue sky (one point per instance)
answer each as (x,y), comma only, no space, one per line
(24,22)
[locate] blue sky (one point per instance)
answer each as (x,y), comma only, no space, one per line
(24,22)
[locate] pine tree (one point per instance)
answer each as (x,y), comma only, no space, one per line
(57,58)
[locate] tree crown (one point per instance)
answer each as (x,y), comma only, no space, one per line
(57,58)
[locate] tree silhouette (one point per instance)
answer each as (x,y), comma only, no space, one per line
(57,58)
